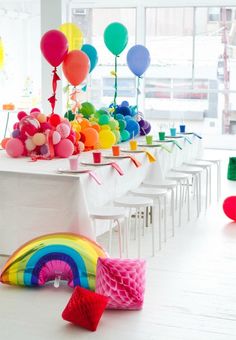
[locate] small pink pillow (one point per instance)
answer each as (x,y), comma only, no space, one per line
(123,281)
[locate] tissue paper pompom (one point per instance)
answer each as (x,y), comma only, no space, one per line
(4,142)
(16,126)
(81,146)
(43,149)
(56,137)
(16,133)
(85,308)
(45,126)
(14,147)
(30,146)
(41,118)
(39,139)
(123,281)
(63,129)
(35,109)
(64,148)
(54,119)
(21,114)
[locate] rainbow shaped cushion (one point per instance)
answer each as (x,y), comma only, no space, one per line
(71,257)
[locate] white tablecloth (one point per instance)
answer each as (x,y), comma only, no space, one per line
(36,200)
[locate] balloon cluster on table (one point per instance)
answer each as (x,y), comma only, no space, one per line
(83,127)
(40,136)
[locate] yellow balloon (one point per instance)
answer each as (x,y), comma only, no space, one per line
(74,35)
(1,54)
(105,127)
(106,139)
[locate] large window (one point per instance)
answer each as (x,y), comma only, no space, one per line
(193,63)
(93,22)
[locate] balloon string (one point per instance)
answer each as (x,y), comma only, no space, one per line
(74,97)
(115,95)
(137,93)
(52,99)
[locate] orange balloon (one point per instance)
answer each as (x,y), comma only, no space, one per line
(91,137)
(96,127)
(76,67)
(77,136)
(85,124)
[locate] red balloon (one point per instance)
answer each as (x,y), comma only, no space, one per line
(54,47)
(76,67)
(229,207)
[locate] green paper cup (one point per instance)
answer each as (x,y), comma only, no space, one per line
(162,135)
(149,139)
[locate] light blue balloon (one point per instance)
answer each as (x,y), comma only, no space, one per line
(92,54)
(119,116)
(138,59)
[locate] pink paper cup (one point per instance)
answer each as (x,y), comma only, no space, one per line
(73,160)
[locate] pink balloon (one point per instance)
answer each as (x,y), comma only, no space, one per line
(64,148)
(229,207)
(54,47)
(15,147)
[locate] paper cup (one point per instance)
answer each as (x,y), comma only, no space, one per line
(162,135)
(73,160)
(149,139)
(133,144)
(97,157)
(115,150)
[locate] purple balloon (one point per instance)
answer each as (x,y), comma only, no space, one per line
(138,59)
(141,122)
(16,133)
(145,129)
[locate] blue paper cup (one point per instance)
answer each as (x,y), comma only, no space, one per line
(182,128)
(173,132)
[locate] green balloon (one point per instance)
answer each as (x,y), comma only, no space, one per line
(69,115)
(117,134)
(125,135)
(113,124)
(103,119)
(87,109)
(100,112)
(116,38)
(122,124)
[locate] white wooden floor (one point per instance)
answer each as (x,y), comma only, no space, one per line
(190,293)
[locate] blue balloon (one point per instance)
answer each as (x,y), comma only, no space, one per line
(119,116)
(138,59)
(133,127)
(125,103)
(128,118)
(92,55)
(124,110)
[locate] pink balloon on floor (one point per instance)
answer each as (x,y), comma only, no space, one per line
(229,207)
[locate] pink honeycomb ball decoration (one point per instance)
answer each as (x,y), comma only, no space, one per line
(35,109)
(29,125)
(54,119)
(30,146)
(21,114)
(39,139)
(15,147)
(56,137)
(65,121)
(16,126)
(41,118)
(63,129)
(64,148)
(72,137)
(45,126)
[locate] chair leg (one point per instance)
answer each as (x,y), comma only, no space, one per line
(180,203)
(173,211)
(138,212)
(119,236)
(188,198)
(110,237)
(154,225)
(164,218)
(207,183)
(159,225)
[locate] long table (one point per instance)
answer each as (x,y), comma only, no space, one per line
(36,199)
